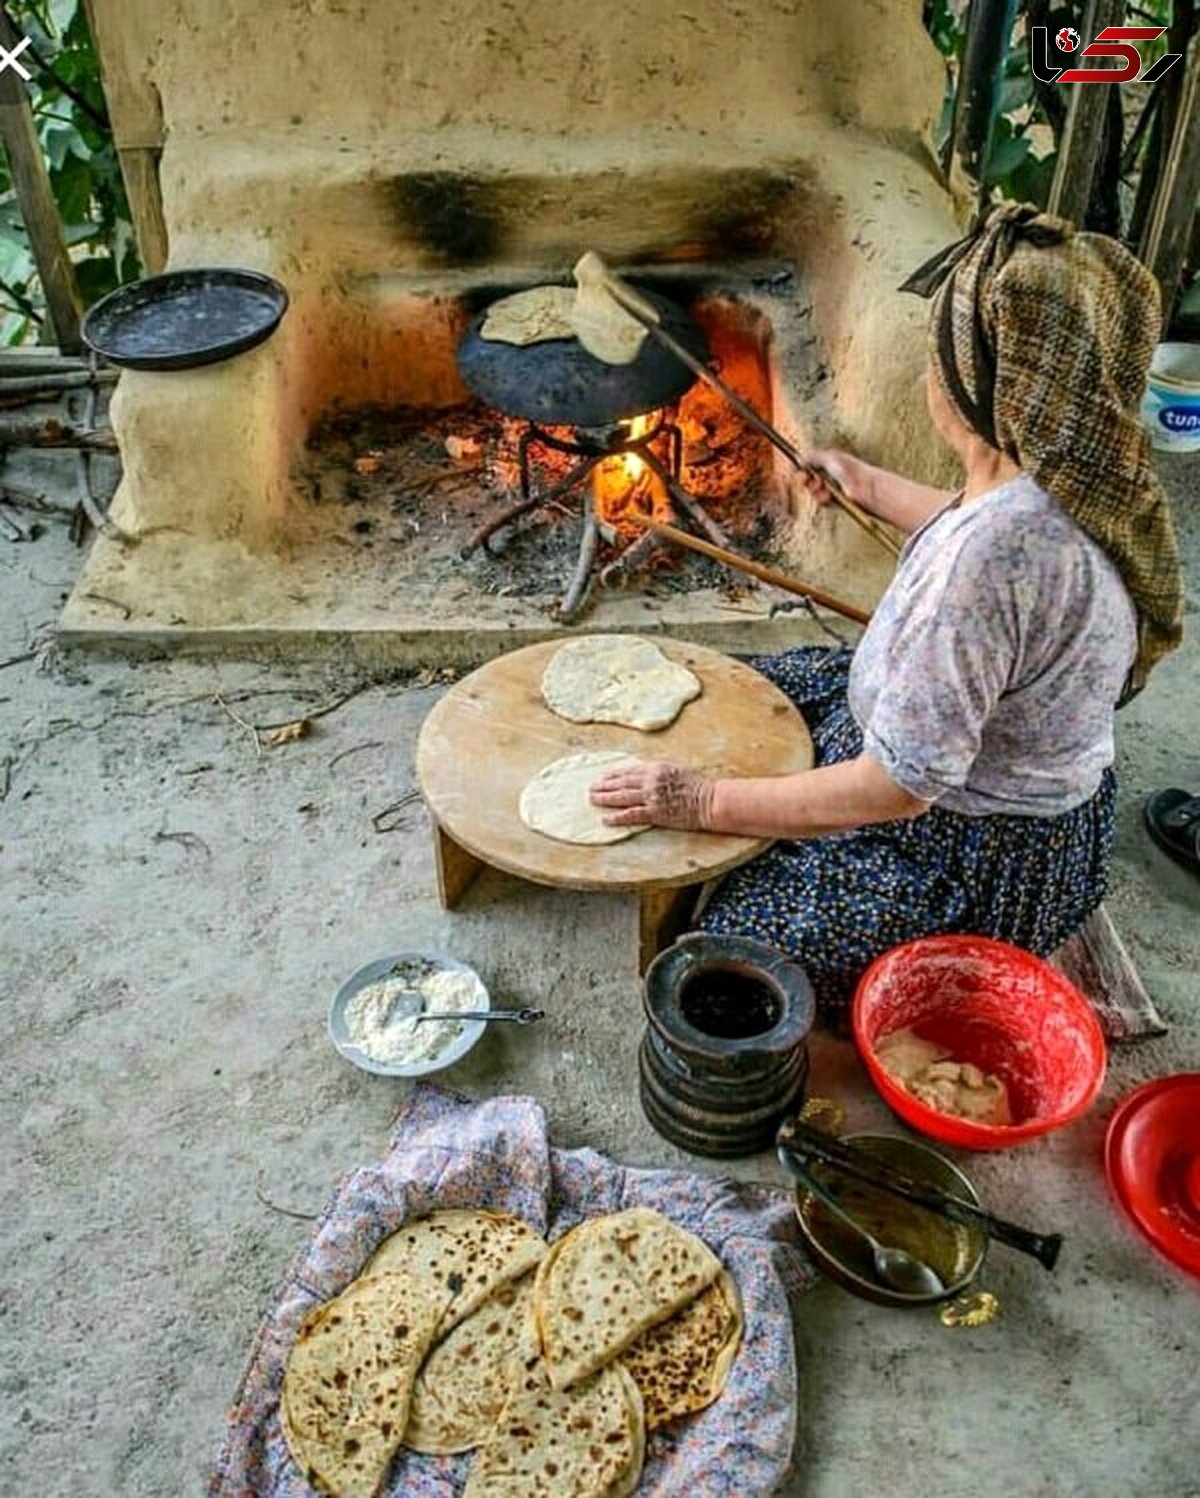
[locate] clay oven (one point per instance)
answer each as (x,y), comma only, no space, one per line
(764,164)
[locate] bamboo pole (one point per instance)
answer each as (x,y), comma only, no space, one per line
(38,208)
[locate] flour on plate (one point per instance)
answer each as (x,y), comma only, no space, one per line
(409,1042)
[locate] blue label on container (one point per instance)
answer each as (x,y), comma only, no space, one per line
(1182,419)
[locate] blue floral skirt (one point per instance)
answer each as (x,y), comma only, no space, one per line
(836,903)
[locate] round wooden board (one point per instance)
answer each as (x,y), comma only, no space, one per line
(491,733)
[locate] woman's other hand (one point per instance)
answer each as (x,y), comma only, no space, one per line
(856,477)
(658,793)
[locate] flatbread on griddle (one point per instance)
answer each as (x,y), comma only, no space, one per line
(533,316)
(682,1365)
(588,1441)
(468,1377)
(608,1281)
(463,1255)
(349,1380)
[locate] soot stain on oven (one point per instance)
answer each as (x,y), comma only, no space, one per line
(455,216)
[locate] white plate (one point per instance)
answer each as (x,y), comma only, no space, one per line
(455,1051)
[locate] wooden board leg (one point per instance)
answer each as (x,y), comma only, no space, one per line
(663,914)
(457,870)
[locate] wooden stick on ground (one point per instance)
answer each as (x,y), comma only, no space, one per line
(740,563)
(589,541)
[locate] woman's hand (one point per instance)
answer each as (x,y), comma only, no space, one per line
(856,477)
(658,793)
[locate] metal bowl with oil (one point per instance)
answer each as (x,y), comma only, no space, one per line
(954,1251)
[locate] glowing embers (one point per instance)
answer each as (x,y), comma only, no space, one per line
(626,485)
(695,465)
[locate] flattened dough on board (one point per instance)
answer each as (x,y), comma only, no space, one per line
(556,802)
(533,316)
(617,679)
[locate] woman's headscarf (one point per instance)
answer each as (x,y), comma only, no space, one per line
(1042,338)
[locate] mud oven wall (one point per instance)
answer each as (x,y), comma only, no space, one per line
(383,161)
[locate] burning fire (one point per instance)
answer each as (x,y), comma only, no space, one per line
(624,485)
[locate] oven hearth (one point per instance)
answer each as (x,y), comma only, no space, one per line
(442,531)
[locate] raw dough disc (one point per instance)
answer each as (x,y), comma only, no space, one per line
(556,802)
(533,316)
(617,679)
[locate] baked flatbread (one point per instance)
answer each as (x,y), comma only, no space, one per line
(585,1442)
(349,1380)
(533,316)
(681,1365)
(557,801)
(463,1256)
(468,1377)
(617,679)
(608,1281)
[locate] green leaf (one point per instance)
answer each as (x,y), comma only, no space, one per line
(1006,157)
(72,185)
(13,328)
(1016,93)
(62,13)
(58,141)
(16,263)
(96,276)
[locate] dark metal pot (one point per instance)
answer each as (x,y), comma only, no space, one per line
(723,1060)
(954,1251)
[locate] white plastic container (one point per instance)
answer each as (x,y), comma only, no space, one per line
(1171,407)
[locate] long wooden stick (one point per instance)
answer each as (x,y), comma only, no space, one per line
(740,563)
(645,313)
(27,168)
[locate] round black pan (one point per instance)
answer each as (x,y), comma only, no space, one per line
(185,318)
(559,383)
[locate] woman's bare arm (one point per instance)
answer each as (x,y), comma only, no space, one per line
(903,502)
(834,798)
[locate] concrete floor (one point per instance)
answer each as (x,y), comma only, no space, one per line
(169,1085)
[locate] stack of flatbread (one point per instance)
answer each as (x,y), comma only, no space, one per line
(465,1332)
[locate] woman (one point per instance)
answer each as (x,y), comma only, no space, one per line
(964,749)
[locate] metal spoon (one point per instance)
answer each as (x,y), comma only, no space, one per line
(894,1267)
(517,1016)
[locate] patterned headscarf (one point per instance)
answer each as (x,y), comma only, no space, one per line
(1041,338)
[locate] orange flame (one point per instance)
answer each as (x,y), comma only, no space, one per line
(623,484)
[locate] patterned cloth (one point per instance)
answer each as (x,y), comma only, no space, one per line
(1042,338)
(987,677)
(447,1152)
(836,903)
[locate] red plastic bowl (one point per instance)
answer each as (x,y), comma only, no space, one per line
(1152,1158)
(997,1006)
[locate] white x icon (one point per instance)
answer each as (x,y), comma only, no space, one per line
(9,59)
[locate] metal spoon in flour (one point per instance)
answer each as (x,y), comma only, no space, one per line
(894,1267)
(517,1016)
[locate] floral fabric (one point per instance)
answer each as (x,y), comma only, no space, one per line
(447,1152)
